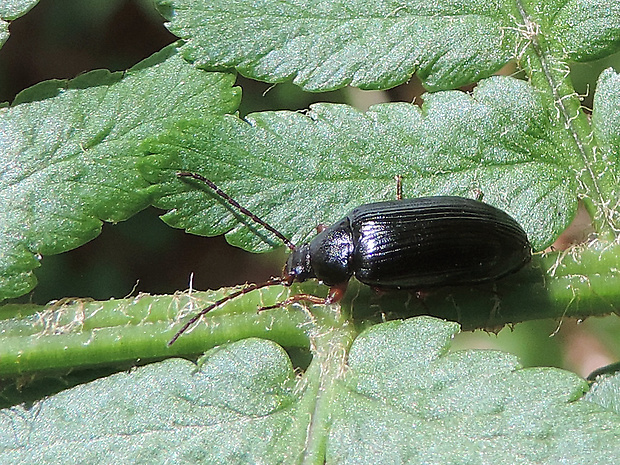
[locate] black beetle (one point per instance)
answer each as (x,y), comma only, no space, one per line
(402,244)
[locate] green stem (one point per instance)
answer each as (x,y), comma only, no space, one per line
(85,334)
(581,283)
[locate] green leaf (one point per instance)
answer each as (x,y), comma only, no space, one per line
(237,405)
(10,10)
(606,393)
(68,154)
(584,30)
(499,141)
(406,400)
(366,44)
(13,9)
(605,127)
(377,45)
(399,397)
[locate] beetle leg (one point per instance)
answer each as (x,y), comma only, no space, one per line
(399,187)
(335,294)
(296,298)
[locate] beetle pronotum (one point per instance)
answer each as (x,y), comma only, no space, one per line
(416,244)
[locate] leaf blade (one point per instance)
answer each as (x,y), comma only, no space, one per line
(605,124)
(377,45)
(326,45)
(429,406)
(586,30)
(335,158)
(403,396)
(69,161)
(10,10)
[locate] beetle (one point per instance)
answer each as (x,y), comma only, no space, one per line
(417,243)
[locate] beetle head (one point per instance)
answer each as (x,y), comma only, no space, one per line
(298,267)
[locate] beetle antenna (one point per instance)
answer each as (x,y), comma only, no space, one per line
(242,209)
(223,300)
